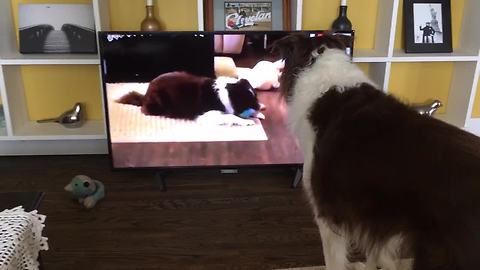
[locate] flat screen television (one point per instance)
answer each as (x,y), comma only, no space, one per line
(155,119)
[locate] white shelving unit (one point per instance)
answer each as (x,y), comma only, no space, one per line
(22,136)
(465,58)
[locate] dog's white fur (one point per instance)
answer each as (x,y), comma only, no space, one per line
(227,118)
(218,118)
(220,85)
(332,68)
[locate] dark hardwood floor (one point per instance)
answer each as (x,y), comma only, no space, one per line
(206,220)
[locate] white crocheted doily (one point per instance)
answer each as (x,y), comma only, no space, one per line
(21,239)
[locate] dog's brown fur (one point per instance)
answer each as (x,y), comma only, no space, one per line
(186,96)
(380,169)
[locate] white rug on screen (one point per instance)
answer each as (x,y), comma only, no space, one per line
(129,124)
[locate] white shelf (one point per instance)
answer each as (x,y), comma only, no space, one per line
(473,126)
(369,56)
(15,58)
(456,56)
(54,131)
(22,136)
(374,56)
(9,54)
(3,130)
(53,147)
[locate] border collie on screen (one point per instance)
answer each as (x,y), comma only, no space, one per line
(183,95)
(380,178)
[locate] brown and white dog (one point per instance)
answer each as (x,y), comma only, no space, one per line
(379,176)
(183,95)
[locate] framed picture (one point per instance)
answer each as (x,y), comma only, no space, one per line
(247,15)
(56,28)
(428,26)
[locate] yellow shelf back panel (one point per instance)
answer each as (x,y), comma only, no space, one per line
(319,14)
(52,89)
(419,82)
(457,7)
(365,67)
(476,106)
(178,15)
(16,2)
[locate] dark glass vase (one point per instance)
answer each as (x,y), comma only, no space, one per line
(342,23)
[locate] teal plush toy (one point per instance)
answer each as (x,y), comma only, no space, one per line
(86,190)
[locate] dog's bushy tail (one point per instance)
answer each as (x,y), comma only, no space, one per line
(132,98)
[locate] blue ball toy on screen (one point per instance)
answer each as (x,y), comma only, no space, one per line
(248,113)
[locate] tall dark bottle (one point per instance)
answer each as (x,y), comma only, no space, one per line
(342,23)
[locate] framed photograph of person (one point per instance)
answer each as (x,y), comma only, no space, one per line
(428,26)
(248,15)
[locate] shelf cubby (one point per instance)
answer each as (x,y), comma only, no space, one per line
(476,104)
(419,82)
(9,54)
(456,56)
(3,123)
(175,15)
(473,123)
(465,21)
(450,82)
(6,129)
(368,56)
(3,126)
(15,58)
(91,129)
(27,81)
(31,87)
(462,94)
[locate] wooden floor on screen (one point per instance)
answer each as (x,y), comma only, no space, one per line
(280,148)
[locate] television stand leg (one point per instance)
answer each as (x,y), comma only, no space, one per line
(159,180)
(298,177)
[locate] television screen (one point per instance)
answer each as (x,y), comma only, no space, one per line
(195,99)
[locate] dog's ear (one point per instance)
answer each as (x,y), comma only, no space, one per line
(207,83)
(296,50)
(288,46)
(299,51)
(299,43)
(329,40)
